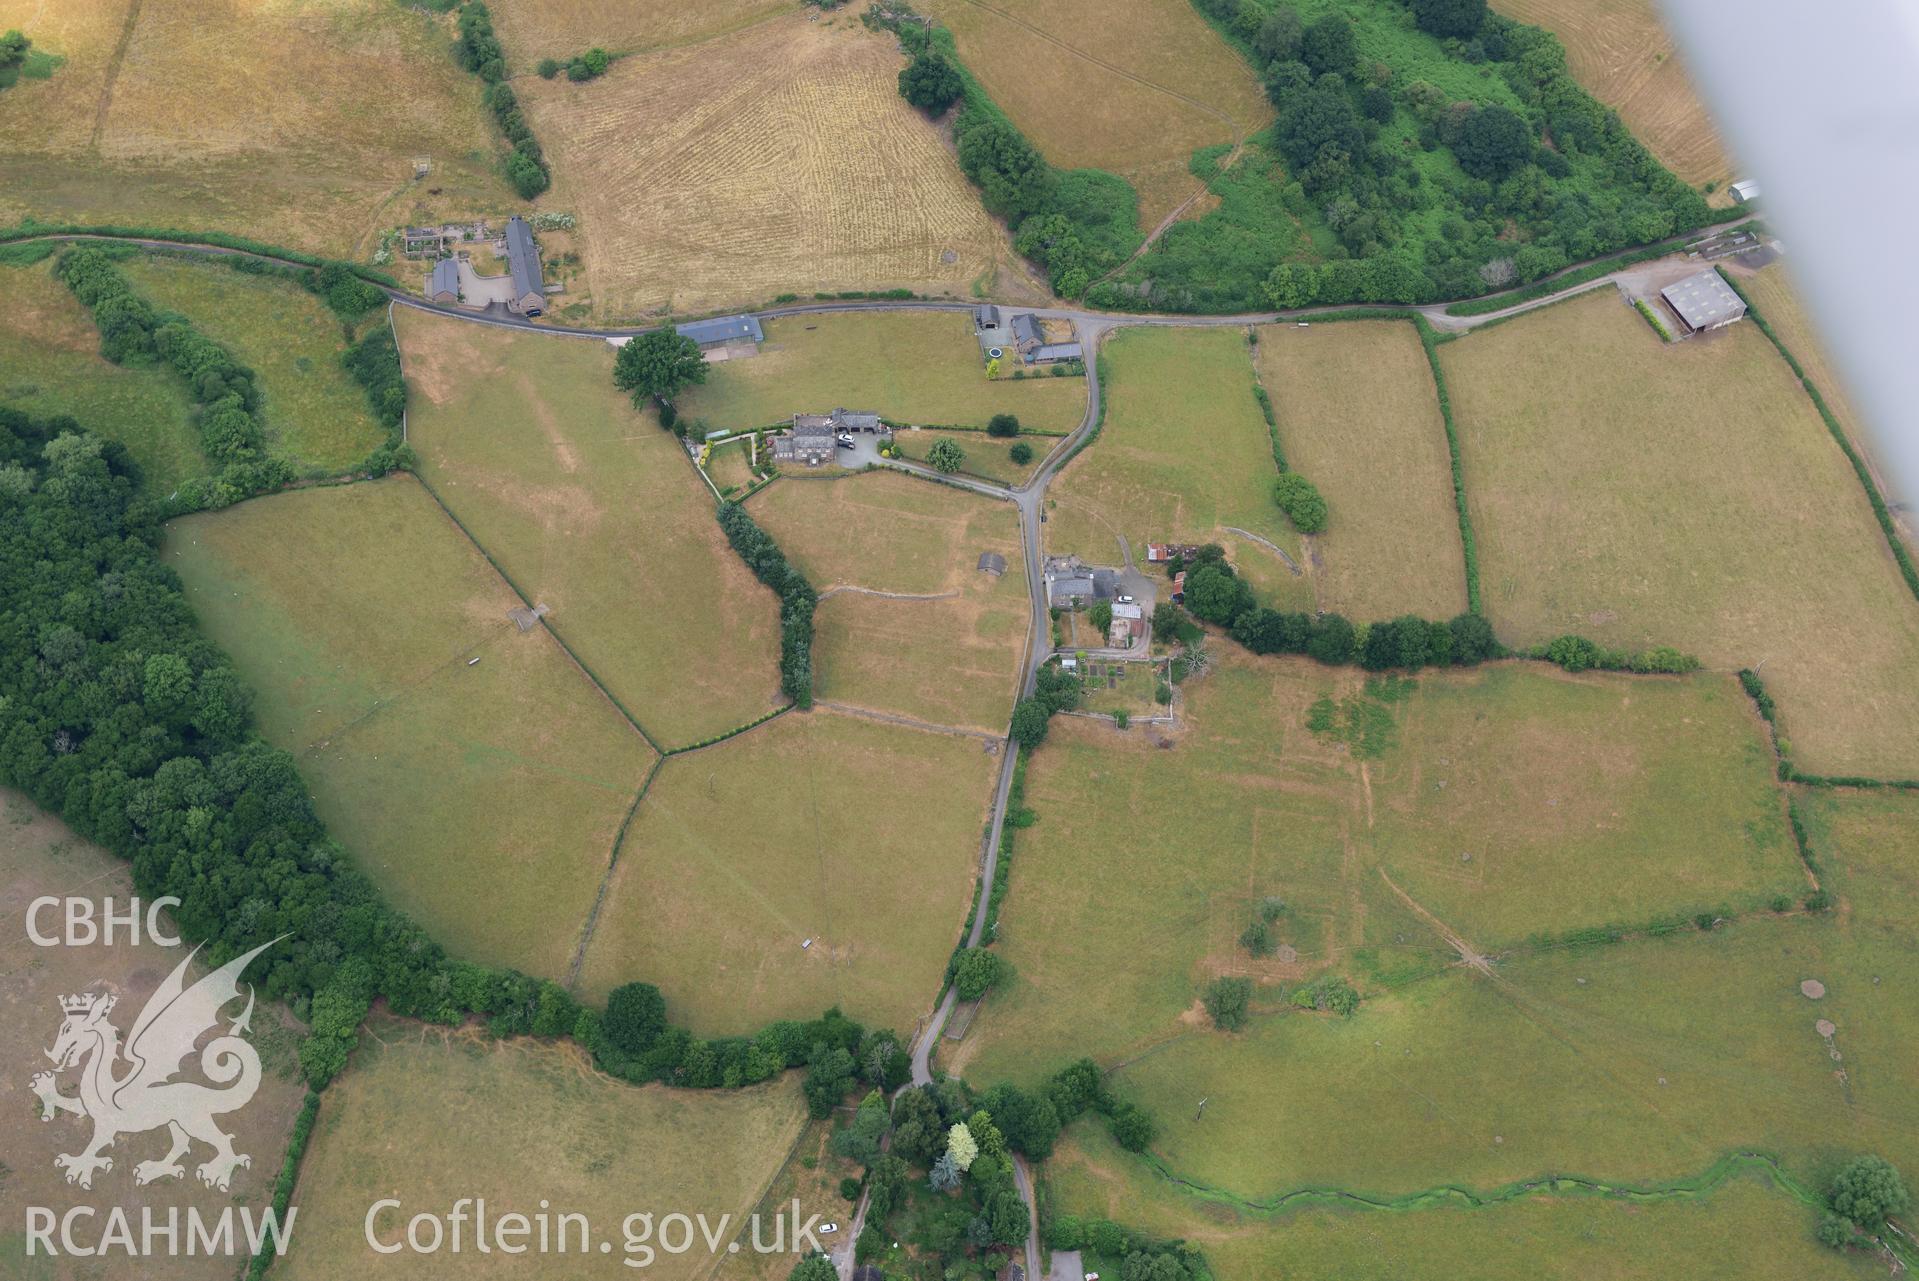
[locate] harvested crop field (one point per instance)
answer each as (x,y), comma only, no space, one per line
(1184,454)
(1640,1063)
(953,660)
(1746,1226)
(912,367)
(50,363)
(597,513)
(1688,494)
(821,859)
(1624,56)
(354,612)
(562,29)
(317,416)
(698,189)
(1144,94)
(40,856)
(1517,800)
(430,1115)
(1359,417)
(309,141)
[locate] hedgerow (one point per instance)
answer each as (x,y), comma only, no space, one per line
(797,598)
(479,51)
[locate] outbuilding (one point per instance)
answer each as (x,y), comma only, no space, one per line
(1745,191)
(723,331)
(1704,301)
(523,261)
(445,285)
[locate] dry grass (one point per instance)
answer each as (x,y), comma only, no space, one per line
(1136,97)
(1184,454)
(317,416)
(41,856)
(428,1116)
(294,123)
(1621,52)
(953,661)
(50,363)
(862,837)
(812,1173)
(1869,838)
(913,367)
(1686,495)
(700,188)
(536,29)
(986,456)
(597,513)
(483,799)
(1359,417)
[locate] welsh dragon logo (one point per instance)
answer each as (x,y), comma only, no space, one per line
(131,1089)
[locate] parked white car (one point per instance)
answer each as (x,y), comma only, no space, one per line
(828,1227)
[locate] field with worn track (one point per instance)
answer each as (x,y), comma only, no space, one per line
(1624,56)
(597,513)
(1609,500)
(536,29)
(296,124)
(1359,417)
(699,189)
(1136,97)
(445,747)
(821,859)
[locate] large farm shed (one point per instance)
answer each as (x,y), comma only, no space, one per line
(1703,301)
(722,330)
(523,259)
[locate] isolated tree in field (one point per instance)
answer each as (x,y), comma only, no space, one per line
(13,49)
(1003,425)
(1868,1191)
(658,364)
(635,1017)
(1301,501)
(1493,142)
(931,83)
(1132,1127)
(976,971)
(946,456)
(1021,453)
(1227,1000)
(1459,19)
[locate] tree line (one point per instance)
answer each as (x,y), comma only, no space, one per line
(479,51)
(797,598)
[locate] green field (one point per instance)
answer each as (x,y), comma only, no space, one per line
(986,456)
(317,416)
(1746,1226)
(729,468)
(428,1116)
(861,837)
(952,660)
(1608,499)
(1867,841)
(912,367)
(353,613)
(1518,802)
(50,363)
(1183,455)
(1582,802)
(595,512)
(1359,417)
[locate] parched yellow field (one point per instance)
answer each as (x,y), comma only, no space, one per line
(1184,456)
(1624,56)
(42,857)
(1135,96)
(1688,494)
(1359,417)
(596,512)
(952,660)
(536,29)
(294,123)
(470,769)
(821,859)
(429,1115)
(700,188)
(913,367)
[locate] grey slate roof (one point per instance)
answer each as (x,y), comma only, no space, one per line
(446,278)
(1026,329)
(523,257)
(722,329)
(1055,351)
(1704,300)
(812,424)
(855,420)
(986,316)
(1060,588)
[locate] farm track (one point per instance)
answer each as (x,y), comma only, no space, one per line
(114,64)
